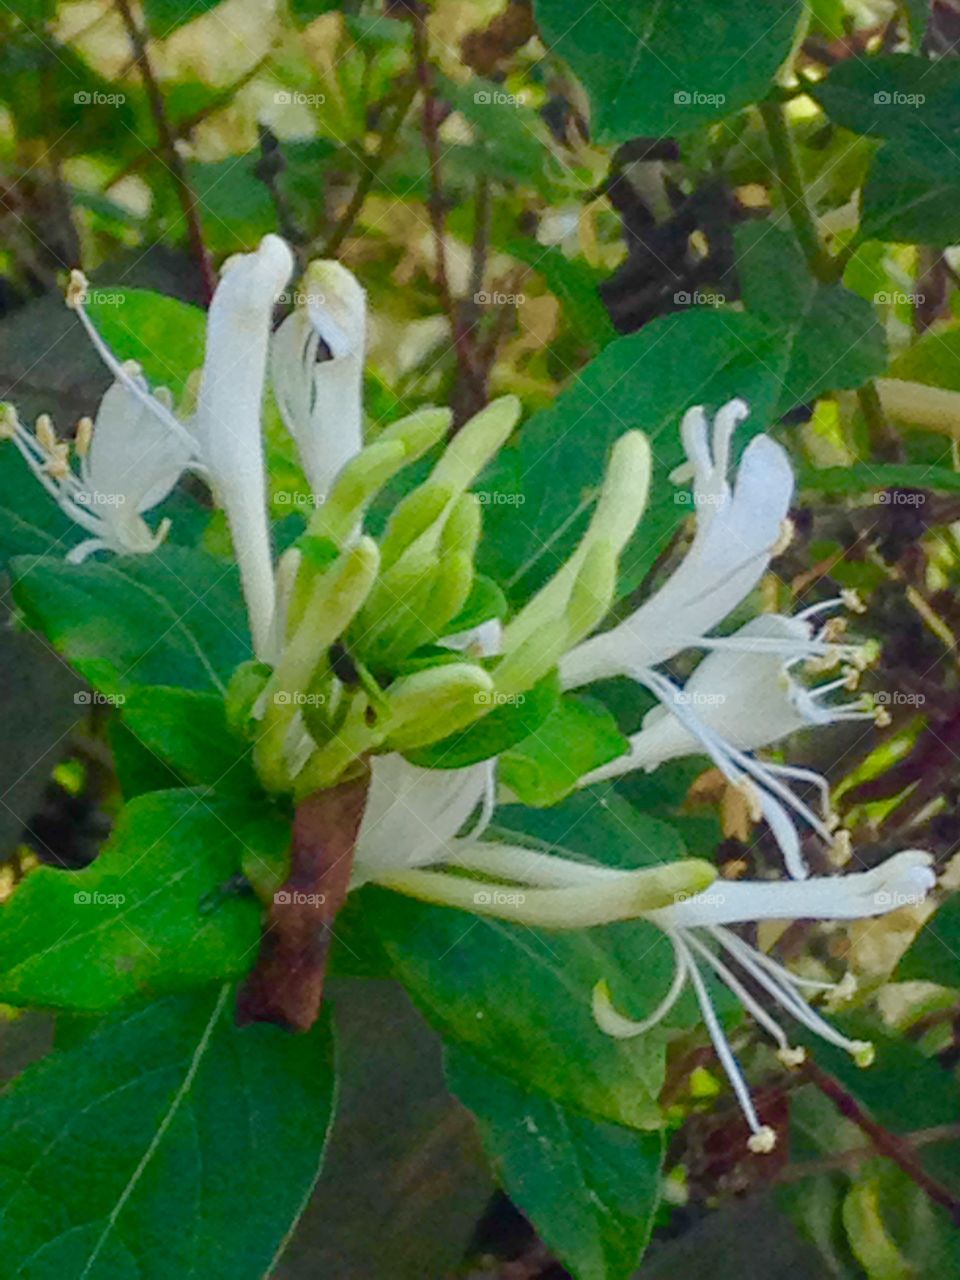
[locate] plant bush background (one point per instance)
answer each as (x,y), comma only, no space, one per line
(622,227)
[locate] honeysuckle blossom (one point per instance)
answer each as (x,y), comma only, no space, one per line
(566,893)
(743,695)
(127,463)
(317,359)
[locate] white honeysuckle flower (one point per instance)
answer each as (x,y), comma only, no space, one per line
(742,696)
(568,894)
(737,533)
(699,930)
(229,411)
(128,462)
(735,702)
(316,364)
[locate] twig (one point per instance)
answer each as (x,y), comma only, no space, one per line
(183,128)
(846,1160)
(790,182)
(286,986)
(388,140)
(886,1143)
(430,125)
(174,161)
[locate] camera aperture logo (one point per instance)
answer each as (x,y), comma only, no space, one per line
(94,898)
(499,898)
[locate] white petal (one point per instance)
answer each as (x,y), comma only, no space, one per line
(412,814)
(229,409)
(904,879)
(317,372)
(134,459)
(730,553)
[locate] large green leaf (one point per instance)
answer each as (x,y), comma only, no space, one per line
(166,1144)
(31,523)
(163,334)
(188,731)
(903,98)
(934,954)
(834,338)
(590,1188)
(912,191)
(175,617)
(903,199)
(577,736)
(155,911)
(520,998)
(555,464)
(653,68)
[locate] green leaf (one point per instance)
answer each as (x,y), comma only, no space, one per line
(151,914)
(164,335)
(912,192)
(165,16)
(509,137)
(576,737)
(484,602)
(31,523)
(905,200)
(495,732)
(165,1144)
(174,617)
(934,955)
(590,1188)
(664,69)
(901,97)
(188,730)
(834,339)
(575,284)
(648,380)
(519,998)
(863,478)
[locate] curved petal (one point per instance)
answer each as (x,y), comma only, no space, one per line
(134,460)
(317,372)
(735,537)
(903,880)
(412,814)
(229,409)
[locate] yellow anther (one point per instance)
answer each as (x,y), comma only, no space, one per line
(863,1053)
(83,436)
(881,717)
(77,288)
(763,1141)
(792,1058)
(784,538)
(852,601)
(46,436)
(841,849)
(9,421)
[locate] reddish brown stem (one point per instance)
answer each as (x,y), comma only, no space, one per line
(286,986)
(430,128)
(886,1143)
(168,146)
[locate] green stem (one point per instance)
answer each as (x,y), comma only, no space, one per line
(790,182)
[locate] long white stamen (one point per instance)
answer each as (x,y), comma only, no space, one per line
(725,936)
(727,976)
(726,1055)
(132,384)
(790,999)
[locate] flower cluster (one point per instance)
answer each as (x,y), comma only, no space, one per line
(366,651)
